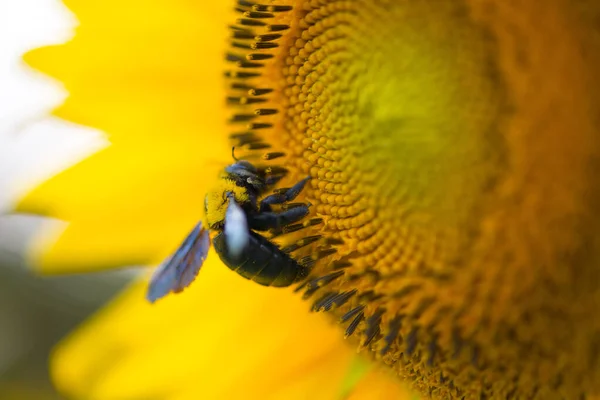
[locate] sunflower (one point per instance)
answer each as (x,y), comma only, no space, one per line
(453,230)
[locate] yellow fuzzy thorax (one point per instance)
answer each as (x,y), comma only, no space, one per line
(215,202)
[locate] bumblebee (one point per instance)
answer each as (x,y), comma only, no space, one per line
(234,213)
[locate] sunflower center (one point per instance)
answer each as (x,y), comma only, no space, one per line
(377,104)
(394,108)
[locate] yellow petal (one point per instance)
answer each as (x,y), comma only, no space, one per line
(152,82)
(380,385)
(125,207)
(225,337)
(155,74)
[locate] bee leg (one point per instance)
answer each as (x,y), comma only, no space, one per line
(272,180)
(279,198)
(263,221)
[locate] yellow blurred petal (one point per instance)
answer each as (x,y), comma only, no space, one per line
(139,76)
(145,75)
(224,337)
(152,82)
(357,371)
(380,385)
(131,214)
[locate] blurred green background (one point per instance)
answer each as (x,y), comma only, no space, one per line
(36,312)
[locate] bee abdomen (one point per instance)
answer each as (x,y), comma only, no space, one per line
(261,261)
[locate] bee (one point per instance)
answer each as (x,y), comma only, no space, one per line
(234,213)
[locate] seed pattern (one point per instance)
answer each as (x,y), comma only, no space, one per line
(305,102)
(255,33)
(258,33)
(255,37)
(253,41)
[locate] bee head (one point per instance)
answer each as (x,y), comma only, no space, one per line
(246,175)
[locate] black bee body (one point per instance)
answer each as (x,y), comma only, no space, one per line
(234,212)
(261,262)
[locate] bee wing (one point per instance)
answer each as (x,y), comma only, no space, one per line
(236,228)
(179,271)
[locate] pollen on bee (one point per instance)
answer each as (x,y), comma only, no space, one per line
(217,201)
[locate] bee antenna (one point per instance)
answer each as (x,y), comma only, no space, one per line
(233,154)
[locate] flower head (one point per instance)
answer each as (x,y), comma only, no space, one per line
(452,227)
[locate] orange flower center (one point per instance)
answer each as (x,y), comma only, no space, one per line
(400,113)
